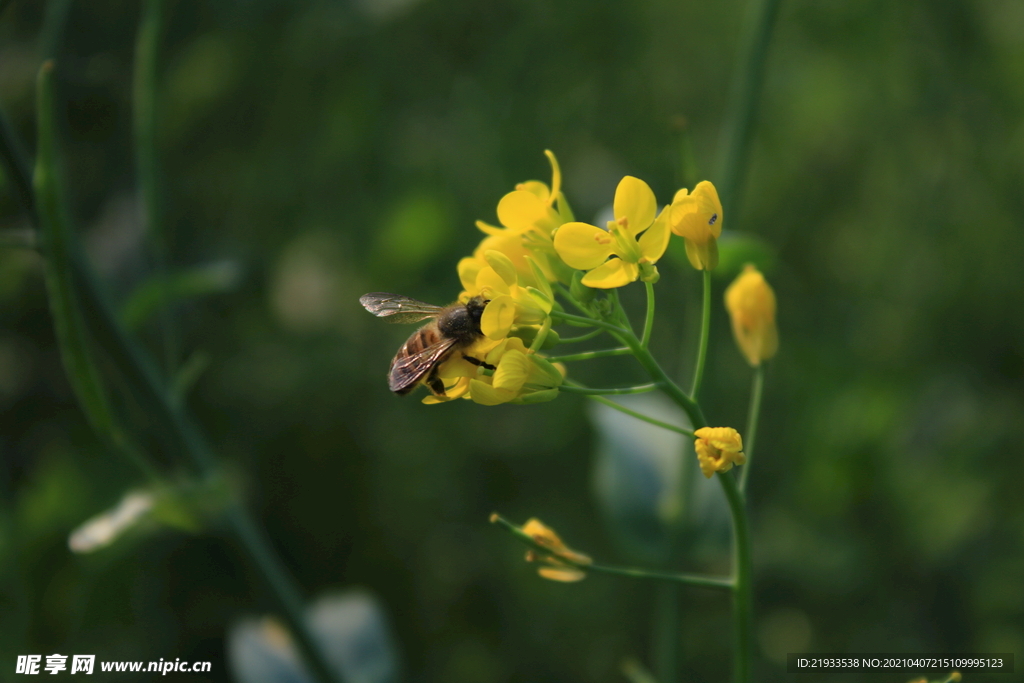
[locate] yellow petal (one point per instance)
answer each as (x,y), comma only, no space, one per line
(502,265)
(488,228)
(703,255)
(498,317)
(556,176)
(486,395)
(614,273)
(698,216)
(654,241)
(565,575)
(521,211)
(469,268)
(583,246)
(635,202)
(535,187)
(512,371)
(490,284)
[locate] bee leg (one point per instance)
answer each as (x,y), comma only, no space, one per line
(479,363)
(436,385)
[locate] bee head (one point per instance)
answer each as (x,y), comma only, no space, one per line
(475,308)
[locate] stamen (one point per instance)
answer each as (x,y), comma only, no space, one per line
(602,239)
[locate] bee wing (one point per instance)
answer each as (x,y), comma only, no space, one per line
(395,308)
(406,371)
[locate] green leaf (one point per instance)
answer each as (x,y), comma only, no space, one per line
(160,291)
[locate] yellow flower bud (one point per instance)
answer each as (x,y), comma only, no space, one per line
(751,305)
(697,217)
(718,449)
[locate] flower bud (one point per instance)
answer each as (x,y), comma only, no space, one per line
(751,305)
(718,449)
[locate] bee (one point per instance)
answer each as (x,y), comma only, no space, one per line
(451,330)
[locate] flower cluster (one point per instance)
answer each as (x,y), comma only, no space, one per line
(538,243)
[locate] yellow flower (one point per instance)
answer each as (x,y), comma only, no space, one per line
(718,449)
(518,376)
(751,305)
(697,217)
(620,254)
(556,551)
(509,303)
(528,217)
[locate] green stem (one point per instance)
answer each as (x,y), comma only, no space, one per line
(743,102)
(648,362)
(590,355)
(542,334)
(545,551)
(742,591)
(640,416)
(182,436)
(589,322)
(620,312)
(645,340)
(147,162)
(581,338)
(705,331)
(752,417)
(640,389)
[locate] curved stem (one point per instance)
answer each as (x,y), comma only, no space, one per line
(176,428)
(639,389)
(752,417)
(582,338)
(589,322)
(705,331)
(542,334)
(648,362)
(590,355)
(645,340)
(640,416)
(742,597)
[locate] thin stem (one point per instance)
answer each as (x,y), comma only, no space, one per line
(147,163)
(559,558)
(645,340)
(648,362)
(589,322)
(705,331)
(567,293)
(752,417)
(639,389)
(742,597)
(181,435)
(542,334)
(743,102)
(688,579)
(590,355)
(582,338)
(640,416)
(620,312)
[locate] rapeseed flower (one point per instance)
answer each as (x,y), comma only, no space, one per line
(528,215)
(718,449)
(519,376)
(697,218)
(509,302)
(619,254)
(751,305)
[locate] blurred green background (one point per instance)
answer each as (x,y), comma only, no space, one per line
(322,150)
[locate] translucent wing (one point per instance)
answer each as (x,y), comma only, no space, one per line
(407,371)
(395,308)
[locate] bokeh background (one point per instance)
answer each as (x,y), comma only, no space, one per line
(314,151)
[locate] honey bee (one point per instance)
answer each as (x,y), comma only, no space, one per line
(451,329)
